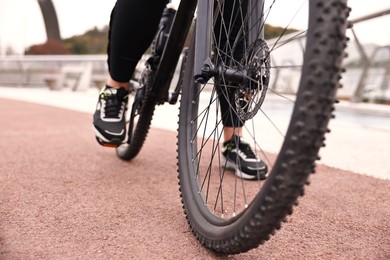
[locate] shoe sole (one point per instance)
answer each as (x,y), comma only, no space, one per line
(113,143)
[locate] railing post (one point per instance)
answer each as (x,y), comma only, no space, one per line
(359,91)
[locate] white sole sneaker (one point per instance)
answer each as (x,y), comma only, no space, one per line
(232,166)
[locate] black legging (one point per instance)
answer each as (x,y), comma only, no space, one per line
(133,25)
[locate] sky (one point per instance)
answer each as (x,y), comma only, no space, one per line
(21,22)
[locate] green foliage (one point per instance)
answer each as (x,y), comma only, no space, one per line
(276,31)
(92,42)
(50,47)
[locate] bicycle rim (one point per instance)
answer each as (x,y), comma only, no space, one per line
(284,124)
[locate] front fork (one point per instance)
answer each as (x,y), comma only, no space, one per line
(204,69)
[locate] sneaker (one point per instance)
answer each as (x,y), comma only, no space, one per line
(109,119)
(238,156)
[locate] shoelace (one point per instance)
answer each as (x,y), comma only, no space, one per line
(242,146)
(112,106)
(247,150)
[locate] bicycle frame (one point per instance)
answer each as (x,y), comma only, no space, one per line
(173,48)
(204,34)
(179,31)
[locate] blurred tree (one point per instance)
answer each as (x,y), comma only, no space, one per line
(94,41)
(276,31)
(50,47)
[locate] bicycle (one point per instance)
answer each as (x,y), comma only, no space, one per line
(227,214)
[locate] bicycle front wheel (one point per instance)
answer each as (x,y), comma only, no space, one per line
(281,94)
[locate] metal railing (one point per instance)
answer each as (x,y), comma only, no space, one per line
(355,90)
(30,69)
(368,62)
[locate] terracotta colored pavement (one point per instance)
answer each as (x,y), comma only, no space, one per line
(64,197)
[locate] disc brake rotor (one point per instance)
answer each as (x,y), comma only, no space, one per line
(250,97)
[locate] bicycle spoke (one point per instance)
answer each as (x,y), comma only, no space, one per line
(262,103)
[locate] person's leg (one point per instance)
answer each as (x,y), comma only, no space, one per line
(133,24)
(230,120)
(237,154)
(229,132)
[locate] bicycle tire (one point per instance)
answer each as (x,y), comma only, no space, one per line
(147,97)
(243,227)
(142,106)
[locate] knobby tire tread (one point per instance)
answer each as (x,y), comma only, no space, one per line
(296,161)
(143,125)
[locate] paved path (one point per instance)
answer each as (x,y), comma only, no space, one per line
(64,197)
(357,142)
